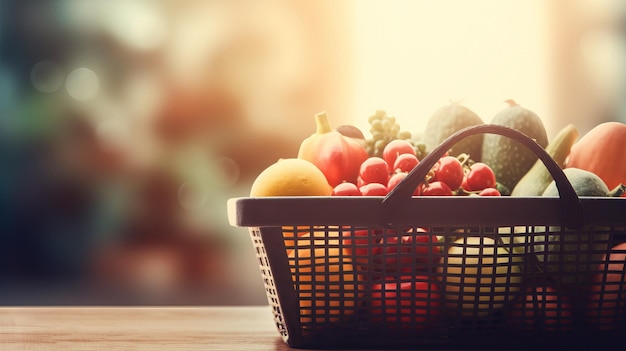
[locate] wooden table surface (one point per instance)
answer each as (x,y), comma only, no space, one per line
(138,328)
(237,328)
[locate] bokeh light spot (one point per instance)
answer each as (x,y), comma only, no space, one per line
(192,195)
(82,84)
(46,76)
(113,133)
(229,171)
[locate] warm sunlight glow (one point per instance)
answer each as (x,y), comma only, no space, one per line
(477,52)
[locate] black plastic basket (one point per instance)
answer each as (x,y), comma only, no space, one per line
(368,273)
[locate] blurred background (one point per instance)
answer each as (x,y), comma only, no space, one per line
(126,125)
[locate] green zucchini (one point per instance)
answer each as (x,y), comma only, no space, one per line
(537,179)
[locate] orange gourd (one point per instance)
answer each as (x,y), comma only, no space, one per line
(602,151)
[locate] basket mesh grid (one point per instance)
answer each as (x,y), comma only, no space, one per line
(268,281)
(361,284)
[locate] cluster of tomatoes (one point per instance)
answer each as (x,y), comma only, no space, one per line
(417,247)
(450,175)
(403,290)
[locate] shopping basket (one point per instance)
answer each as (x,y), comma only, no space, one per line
(405,271)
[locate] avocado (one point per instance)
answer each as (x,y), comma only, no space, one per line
(509,159)
(449,119)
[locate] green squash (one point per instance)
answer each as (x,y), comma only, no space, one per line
(584,182)
(570,251)
(509,159)
(449,119)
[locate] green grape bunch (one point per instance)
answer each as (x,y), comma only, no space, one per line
(384,129)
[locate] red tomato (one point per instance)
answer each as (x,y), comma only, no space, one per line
(607,300)
(436,188)
(361,244)
(427,247)
(406,300)
(373,189)
(489,192)
(405,163)
(395,148)
(374,170)
(346,189)
(421,248)
(541,309)
(397,178)
(480,176)
(450,171)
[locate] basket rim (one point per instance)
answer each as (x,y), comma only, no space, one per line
(420,210)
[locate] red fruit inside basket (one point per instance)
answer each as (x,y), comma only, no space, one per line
(479,177)
(374,170)
(450,171)
(541,309)
(489,192)
(607,300)
(412,301)
(395,179)
(395,148)
(405,163)
(436,188)
(373,189)
(361,244)
(346,189)
(413,251)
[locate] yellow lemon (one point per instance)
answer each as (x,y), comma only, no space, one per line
(327,284)
(291,177)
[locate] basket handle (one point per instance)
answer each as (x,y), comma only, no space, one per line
(571,208)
